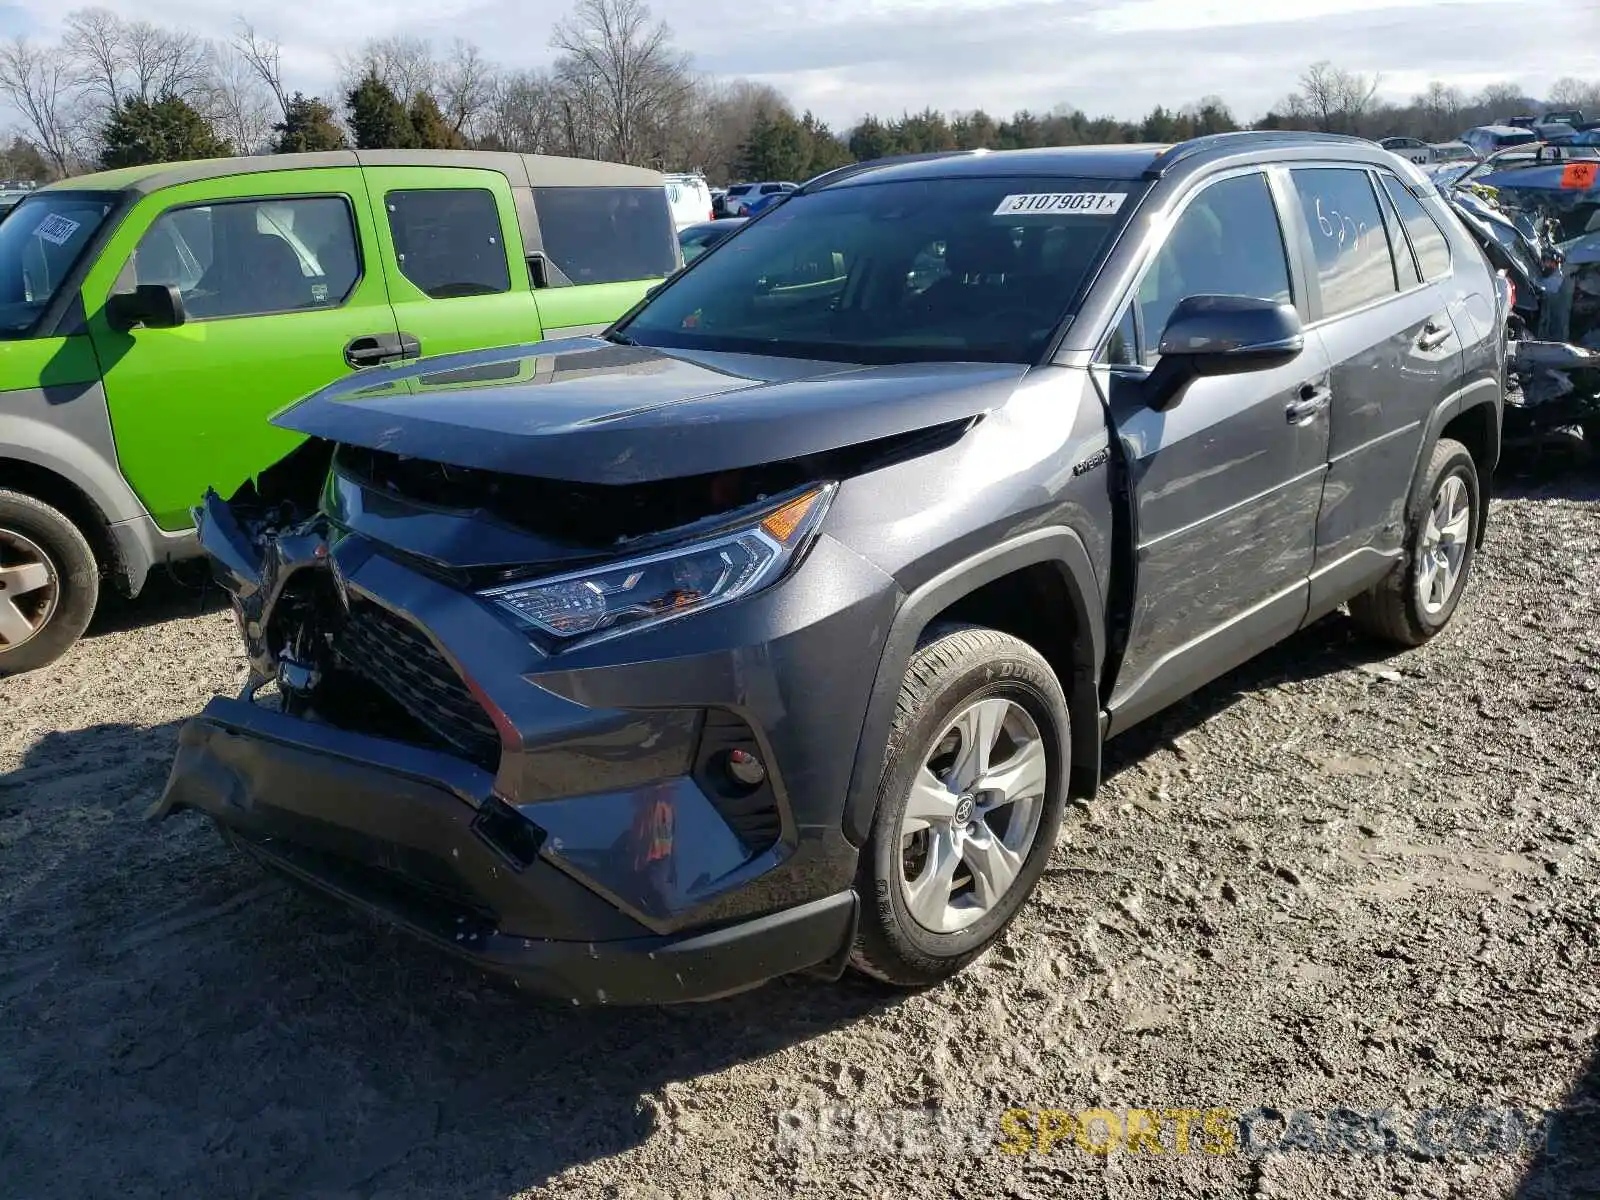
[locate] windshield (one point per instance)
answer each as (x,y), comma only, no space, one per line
(39,243)
(947,269)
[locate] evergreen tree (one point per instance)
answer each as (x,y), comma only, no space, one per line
(429,129)
(308,126)
(153,131)
(377,118)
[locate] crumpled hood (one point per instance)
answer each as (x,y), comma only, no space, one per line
(586,410)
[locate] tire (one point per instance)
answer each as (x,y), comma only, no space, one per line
(960,681)
(35,537)
(1394,610)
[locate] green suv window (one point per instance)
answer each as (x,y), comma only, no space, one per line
(253,257)
(448,241)
(39,243)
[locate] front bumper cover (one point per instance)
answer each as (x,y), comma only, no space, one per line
(416,838)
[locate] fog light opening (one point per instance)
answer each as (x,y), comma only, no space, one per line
(744,769)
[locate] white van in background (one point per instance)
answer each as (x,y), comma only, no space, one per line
(690,198)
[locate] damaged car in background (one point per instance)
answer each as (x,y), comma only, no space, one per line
(770,630)
(1536,213)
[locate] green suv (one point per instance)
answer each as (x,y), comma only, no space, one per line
(151,319)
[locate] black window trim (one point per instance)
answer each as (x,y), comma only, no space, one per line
(1449,250)
(121,282)
(512,277)
(1299,289)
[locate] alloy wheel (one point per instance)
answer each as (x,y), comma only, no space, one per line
(973,815)
(1443,549)
(29,589)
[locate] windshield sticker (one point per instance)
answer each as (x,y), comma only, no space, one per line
(1036,204)
(56,229)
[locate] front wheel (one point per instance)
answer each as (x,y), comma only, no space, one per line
(49,583)
(969,804)
(1420,596)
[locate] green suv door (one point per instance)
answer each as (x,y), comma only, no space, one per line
(279,275)
(453,255)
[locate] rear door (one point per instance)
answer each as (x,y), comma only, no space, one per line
(603,248)
(453,258)
(1225,484)
(278,272)
(1395,356)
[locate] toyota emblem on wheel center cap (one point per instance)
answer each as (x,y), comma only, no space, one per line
(963,813)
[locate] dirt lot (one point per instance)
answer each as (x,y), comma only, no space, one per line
(1329,880)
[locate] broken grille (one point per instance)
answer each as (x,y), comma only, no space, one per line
(398,658)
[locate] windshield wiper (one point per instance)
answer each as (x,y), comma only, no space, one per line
(618,338)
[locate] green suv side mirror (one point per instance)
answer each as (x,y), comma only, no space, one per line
(153,305)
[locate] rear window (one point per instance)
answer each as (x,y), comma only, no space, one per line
(939,269)
(607,235)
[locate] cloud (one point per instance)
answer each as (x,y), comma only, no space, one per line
(844,58)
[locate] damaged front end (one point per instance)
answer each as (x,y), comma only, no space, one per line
(1539,224)
(474,708)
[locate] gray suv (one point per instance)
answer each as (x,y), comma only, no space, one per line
(771,630)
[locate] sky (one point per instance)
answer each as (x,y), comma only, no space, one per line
(844,58)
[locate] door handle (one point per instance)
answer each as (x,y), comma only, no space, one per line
(1434,335)
(371,349)
(1309,401)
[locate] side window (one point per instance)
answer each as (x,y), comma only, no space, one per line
(1122,347)
(1347,235)
(249,257)
(1427,239)
(607,235)
(448,241)
(1228,241)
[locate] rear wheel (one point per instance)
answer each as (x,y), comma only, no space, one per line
(1419,597)
(49,583)
(969,805)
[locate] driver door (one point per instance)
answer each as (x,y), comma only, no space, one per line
(278,272)
(1227,483)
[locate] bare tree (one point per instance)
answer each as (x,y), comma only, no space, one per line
(238,104)
(1440,107)
(405,65)
(39,81)
(616,57)
(465,86)
(265,57)
(166,62)
(1502,100)
(94,40)
(1335,99)
(524,114)
(1568,92)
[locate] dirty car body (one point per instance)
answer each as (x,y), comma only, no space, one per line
(580,659)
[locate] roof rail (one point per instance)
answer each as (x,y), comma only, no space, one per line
(1173,155)
(845,172)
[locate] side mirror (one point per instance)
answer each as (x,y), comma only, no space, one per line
(153,305)
(1222,335)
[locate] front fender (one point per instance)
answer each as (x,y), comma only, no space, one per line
(1059,547)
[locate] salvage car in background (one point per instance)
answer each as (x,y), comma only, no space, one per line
(1411,149)
(1537,217)
(154,317)
(771,629)
(689,196)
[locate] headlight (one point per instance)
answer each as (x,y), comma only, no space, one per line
(614,599)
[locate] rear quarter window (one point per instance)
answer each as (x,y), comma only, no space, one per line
(1426,238)
(607,235)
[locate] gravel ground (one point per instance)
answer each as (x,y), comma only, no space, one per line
(1330,879)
